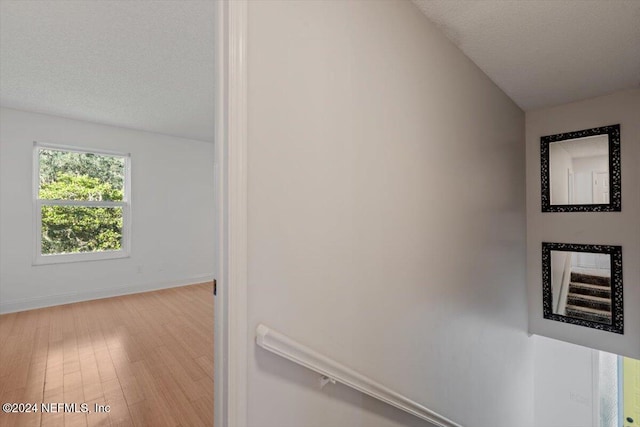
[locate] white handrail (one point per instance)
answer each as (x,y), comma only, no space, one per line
(286,347)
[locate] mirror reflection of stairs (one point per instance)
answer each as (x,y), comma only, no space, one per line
(589,298)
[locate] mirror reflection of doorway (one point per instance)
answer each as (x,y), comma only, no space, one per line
(585,164)
(601,187)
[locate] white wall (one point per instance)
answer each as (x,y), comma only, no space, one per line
(172,209)
(565,392)
(575,386)
(615,228)
(386,218)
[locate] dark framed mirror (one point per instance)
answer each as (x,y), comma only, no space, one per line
(580,171)
(582,285)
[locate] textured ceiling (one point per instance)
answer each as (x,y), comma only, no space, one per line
(145,65)
(546,52)
(149,64)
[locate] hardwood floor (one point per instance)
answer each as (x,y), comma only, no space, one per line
(148,356)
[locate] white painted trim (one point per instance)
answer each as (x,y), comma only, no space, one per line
(237,215)
(79,257)
(87,203)
(220,356)
(231,330)
(78,149)
(23,304)
(36,218)
(564,286)
(292,350)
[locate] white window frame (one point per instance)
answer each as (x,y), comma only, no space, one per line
(125,204)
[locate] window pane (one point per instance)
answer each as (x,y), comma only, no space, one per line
(66,175)
(73,229)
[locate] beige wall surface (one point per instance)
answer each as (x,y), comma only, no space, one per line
(613,228)
(386,219)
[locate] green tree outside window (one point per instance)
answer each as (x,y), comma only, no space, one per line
(77,176)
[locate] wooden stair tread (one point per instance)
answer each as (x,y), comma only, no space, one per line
(590,286)
(589,310)
(590,298)
(591,279)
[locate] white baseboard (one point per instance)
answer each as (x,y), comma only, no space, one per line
(23,304)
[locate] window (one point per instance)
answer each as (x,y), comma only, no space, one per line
(618,391)
(81,204)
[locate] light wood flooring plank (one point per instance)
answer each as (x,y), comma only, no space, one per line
(149,356)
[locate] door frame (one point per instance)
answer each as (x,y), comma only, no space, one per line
(230,169)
